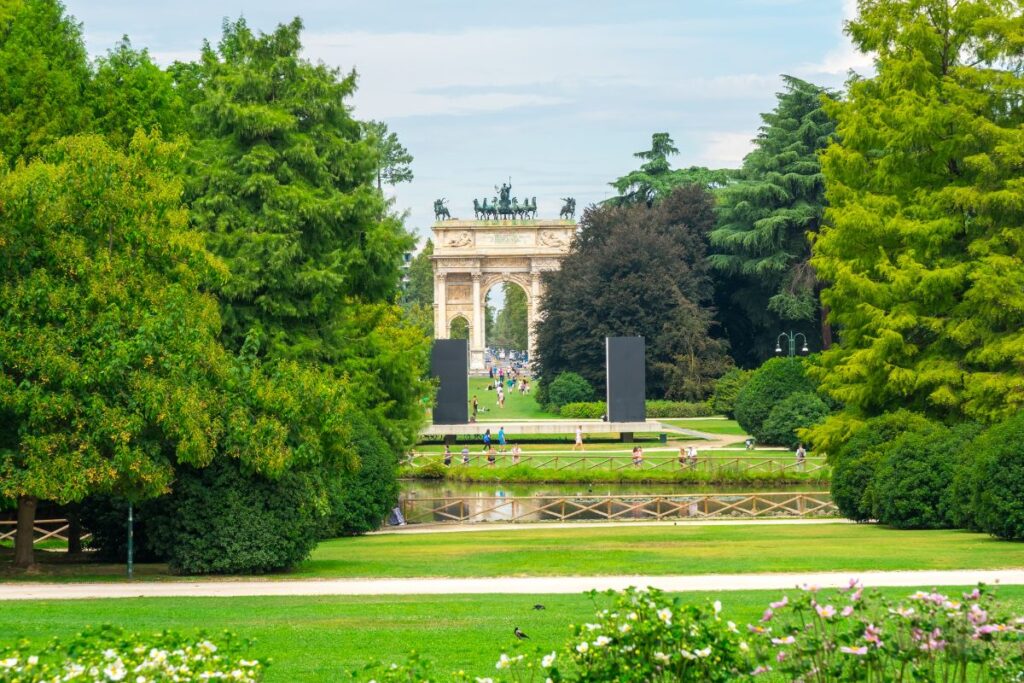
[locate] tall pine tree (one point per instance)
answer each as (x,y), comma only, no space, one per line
(924,253)
(764,220)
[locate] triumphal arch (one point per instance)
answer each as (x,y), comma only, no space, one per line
(505,242)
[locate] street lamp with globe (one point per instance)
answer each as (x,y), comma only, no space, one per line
(790,337)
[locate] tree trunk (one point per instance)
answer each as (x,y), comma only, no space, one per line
(826,329)
(74,530)
(23,537)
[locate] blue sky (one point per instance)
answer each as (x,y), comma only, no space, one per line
(555,94)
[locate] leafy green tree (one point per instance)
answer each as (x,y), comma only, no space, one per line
(655,178)
(128,91)
(636,270)
(770,384)
(283,187)
(419,288)
(766,218)
(922,250)
(110,367)
(43,75)
(392,158)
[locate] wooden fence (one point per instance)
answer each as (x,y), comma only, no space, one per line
(43,530)
(473,509)
(658,460)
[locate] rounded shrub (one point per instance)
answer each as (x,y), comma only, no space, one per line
(797,411)
(727,388)
(360,501)
(569,387)
(767,386)
(224,520)
(914,479)
(997,503)
(855,464)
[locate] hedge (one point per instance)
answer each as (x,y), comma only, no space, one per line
(797,411)
(998,480)
(774,381)
(360,501)
(594,410)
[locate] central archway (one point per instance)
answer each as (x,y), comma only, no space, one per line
(506,329)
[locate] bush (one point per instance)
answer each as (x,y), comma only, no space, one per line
(913,484)
(593,410)
(568,387)
(678,409)
(797,411)
(360,501)
(854,465)
(727,388)
(767,387)
(997,503)
(110,654)
(223,520)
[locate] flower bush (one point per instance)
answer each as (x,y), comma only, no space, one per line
(853,635)
(110,654)
(807,635)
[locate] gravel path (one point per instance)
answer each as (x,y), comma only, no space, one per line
(518,585)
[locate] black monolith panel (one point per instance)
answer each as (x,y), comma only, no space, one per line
(450,365)
(626,379)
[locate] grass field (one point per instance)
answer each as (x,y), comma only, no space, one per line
(517,406)
(676,549)
(322,638)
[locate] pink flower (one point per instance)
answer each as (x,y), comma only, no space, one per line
(977,616)
(760,670)
(826,611)
(854,583)
(847,611)
(973,595)
(872,633)
(859,651)
(767,616)
(780,603)
(809,587)
(788,640)
(757,629)
(781,657)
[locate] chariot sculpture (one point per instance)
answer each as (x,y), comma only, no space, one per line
(440,210)
(568,209)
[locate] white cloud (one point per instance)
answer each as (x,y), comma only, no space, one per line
(725,149)
(843,58)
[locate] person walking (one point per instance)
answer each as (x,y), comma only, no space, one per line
(693,457)
(801,455)
(579,438)
(684,456)
(636,456)
(487,440)
(447,455)
(465,455)
(515,453)
(476,406)
(501,439)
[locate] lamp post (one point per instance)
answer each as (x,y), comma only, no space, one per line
(790,337)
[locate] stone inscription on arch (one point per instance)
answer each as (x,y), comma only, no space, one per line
(470,257)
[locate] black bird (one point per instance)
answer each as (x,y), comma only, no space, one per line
(520,635)
(538,606)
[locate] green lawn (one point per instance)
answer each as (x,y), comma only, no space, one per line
(321,638)
(676,549)
(517,406)
(712,425)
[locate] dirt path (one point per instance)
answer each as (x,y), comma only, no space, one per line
(503,585)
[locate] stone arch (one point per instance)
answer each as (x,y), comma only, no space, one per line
(451,326)
(471,257)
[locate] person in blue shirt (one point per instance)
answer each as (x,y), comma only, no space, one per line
(501,439)
(487,440)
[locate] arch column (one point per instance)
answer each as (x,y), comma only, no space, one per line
(440,307)
(532,312)
(477,331)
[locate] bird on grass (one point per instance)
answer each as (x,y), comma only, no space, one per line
(538,606)
(519,634)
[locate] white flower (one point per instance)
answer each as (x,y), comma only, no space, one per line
(548,660)
(9,663)
(665,615)
(744,646)
(662,657)
(602,641)
(625,628)
(583,647)
(484,680)
(592,627)
(33,660)
(687,654)
(732,626)
(503,662)
(248,662)
(632,616)
(140,679)
(109,654)
(115,671)
(717,606)
(207,647)
(705,652)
